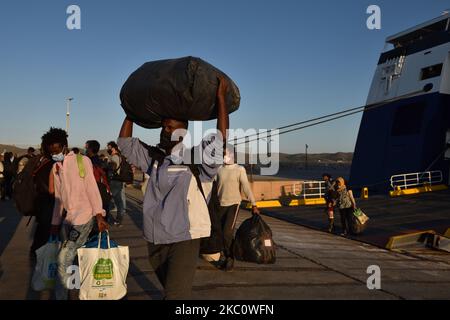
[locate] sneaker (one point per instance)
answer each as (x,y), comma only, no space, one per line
(220,264)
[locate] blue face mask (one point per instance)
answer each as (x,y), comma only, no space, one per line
(58,157)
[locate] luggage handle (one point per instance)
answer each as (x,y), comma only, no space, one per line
(100,239)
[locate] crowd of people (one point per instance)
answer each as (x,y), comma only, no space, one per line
(77,189)
(10,166)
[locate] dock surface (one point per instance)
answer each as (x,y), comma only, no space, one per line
(311,264)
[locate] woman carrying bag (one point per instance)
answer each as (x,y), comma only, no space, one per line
(346,204)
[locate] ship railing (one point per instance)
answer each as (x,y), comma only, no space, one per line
(306,189)
(415,179)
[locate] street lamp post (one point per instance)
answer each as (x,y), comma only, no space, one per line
(68,115)
(306,156)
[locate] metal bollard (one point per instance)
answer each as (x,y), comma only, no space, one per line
(365,193)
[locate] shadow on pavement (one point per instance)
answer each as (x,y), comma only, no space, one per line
(9,220)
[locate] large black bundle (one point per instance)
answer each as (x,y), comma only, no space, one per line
(183,89)
(253,242)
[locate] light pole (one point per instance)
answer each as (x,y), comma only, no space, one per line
(306,156)
(68,115)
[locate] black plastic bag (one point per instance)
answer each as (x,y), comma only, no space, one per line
(183,89)
(253,242)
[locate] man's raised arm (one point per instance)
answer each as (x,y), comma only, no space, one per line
(222,112)
(127,129)
(134,150)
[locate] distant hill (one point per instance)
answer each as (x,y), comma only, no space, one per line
(13,149)
(317,158)
(286,160)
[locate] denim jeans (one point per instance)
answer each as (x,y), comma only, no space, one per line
(72,237)
(116,190)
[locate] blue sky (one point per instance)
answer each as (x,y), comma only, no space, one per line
(292,60)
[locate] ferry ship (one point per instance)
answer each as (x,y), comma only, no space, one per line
(405,126)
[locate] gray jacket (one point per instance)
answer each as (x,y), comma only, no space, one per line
(174,208)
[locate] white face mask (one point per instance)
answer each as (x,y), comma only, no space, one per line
(58,157)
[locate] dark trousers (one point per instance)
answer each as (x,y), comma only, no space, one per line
(43,224)
(2,188)
(175,266)
(228,216)
(346,214)
(8,186)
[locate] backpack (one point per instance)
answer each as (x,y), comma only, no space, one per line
(100,178)
(103,186)
(126,172)
(24,187)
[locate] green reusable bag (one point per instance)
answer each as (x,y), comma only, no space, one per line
(359,214)
(103,269)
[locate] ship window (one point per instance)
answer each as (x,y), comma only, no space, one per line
(431,71)
(408,119)
(420,34)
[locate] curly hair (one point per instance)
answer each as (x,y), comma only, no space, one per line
(52,136)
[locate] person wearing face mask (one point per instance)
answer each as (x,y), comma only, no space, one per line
(78,204)
(231,180)
(175,211)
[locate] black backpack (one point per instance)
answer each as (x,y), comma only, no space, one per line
(24,187)
(126,172)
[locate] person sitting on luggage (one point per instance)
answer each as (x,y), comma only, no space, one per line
(231,179)
(329,188)
(346,204)
(76,193)
(175,212)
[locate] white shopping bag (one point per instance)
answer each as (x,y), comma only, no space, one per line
(103,272)
(45,271)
